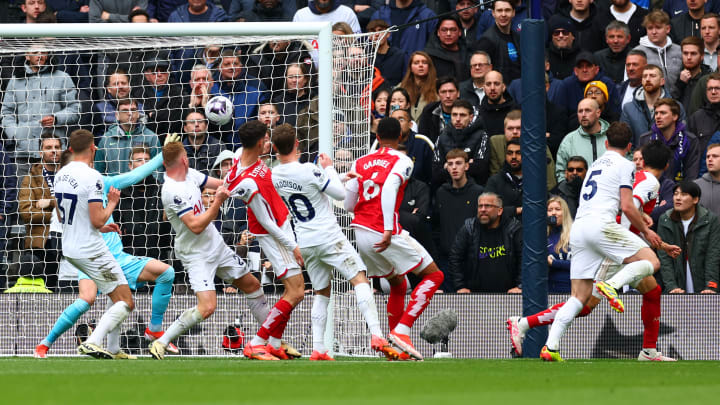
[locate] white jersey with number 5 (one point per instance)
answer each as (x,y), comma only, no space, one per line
(302,186)
(76,185)
(600,194)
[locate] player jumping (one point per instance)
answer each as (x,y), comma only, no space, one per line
(386,249)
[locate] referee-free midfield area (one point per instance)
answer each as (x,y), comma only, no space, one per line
(354,381)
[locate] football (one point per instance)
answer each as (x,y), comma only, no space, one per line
(219,110)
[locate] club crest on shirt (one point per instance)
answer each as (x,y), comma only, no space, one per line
(99,185)
(317,173)
(177,199)
(407,171)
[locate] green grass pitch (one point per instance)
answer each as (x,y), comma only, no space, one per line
(354,381)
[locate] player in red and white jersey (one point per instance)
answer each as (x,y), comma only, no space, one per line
(645,193)
(386,249)
(251,180)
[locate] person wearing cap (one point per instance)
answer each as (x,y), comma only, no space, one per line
(582,13)
(697,230)
(447,49)
(563,49)
(612,59)
(162,99)
(598,91)
(659,48)
(571,90)
(625,11)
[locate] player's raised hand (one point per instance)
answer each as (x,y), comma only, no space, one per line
(324,160)
(653,239)
(384,242)
(298,256)
(113,196)
(170,138)
(111,228)
(222,194)
(671,250)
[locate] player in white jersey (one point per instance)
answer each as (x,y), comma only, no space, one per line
(79,195)
(199,245)
(596,235)
(305,188)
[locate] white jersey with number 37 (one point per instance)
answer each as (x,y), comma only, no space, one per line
(600,194)
(302,186)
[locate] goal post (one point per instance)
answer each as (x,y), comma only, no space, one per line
(339,79)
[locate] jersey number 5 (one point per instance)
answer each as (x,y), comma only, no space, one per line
(64,197)
(592,184)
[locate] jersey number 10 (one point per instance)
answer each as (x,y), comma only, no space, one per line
(292,201)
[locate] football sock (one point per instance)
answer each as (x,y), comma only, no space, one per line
(257,302)
(650,314)
(113,340)
(187,320)
(542,318)
(366,305)
(275,322)
(275,342)
(109,321)
(396,303)
(66,320)
(319,321)
(563,318)
(420,298)
(160,298)
(631,273)
(584,312)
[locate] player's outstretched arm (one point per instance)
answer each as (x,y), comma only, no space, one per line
(137,174)
(198,223)
(99,215)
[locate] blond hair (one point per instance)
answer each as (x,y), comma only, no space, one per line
(567,221)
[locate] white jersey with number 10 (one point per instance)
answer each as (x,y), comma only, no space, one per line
(600,193)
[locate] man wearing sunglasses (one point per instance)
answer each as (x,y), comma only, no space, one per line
(562,49)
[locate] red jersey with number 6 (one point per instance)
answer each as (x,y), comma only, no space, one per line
(645,193)
(375,168)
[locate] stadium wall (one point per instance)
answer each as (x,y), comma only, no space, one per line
(689,325)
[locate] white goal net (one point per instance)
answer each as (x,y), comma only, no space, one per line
(131,90)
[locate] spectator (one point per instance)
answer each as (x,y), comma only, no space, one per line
(468,19)
(455,201)
(466,134)
(328,10)
(635,63)
(233,213)
(400,99)
(570,90)
(37,206)
(507,183)
(473,89)
(436,116)
(501,42)
(558,230)
(37,98)
(705,122)
(611,59)
(598,91)
(307,132)
(160,10)
(693,70)
(419,81)
(419,147)
(637,158)
(587,141)
(270,61)
(162,100)
(32,9)
(496,103)
(113,154)
(8,198)
(198,11)
(562,50)
(659,48)
(245,91)
(512,130)
(697,231)
(569,188)
(710,182)
(487,252)
(140,213)
(399,12)
(354,87)
(268,114)
(685,164)
(139,15)
(113,11)
(639,113)
(201,148)
(558,123)
(117,87)
(582,13)
(390,60)
(262,11)
(70,11)
(296,94)
(446,49)
(687,23)
(622,11)
(710,31)
(675,7)
(380,110)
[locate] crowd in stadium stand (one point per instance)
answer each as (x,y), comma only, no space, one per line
(452,82)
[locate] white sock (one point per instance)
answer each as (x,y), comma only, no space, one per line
(631,274)
(523,325)
(109,321)
(275,342)
(187,320)
(257,341)
(402,329)
(113,340)
(366,305)
(257,302)
(563,319)
(318,315)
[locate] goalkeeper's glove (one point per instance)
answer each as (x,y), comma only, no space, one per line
(174,137)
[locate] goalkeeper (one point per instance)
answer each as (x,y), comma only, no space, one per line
(137,270)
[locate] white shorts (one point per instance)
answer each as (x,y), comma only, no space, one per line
(224,263)
(321,259)
(404,254)
(103,269)
(282,259)
(591,243)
